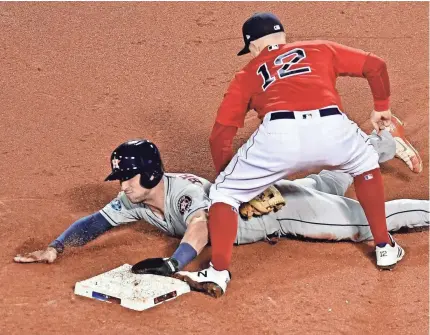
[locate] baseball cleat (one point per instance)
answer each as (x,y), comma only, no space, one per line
(387,256)
(209,281)
(404,149)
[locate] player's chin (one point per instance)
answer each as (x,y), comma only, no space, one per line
(135,200)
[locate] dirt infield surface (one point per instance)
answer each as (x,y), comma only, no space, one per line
(77,79)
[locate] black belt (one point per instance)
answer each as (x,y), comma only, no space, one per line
(290,115)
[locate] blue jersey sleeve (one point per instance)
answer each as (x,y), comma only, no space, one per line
(82,231)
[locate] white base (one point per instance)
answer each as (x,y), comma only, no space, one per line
(134,291)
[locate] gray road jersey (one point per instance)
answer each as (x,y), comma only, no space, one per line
(314,199)
(315,208)
(184,195)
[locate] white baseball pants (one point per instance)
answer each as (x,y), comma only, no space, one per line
(288,142)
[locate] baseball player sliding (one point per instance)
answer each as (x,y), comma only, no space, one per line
(177,205)
(292,87)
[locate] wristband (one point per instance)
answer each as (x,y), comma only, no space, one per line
(57,245)
(184,254)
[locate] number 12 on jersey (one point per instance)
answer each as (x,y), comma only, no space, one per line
(284,71)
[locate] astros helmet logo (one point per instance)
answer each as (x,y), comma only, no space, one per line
(115,163)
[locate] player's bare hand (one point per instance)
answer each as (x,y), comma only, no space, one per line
(49,255)
(380,120)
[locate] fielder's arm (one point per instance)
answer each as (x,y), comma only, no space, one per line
(357,63)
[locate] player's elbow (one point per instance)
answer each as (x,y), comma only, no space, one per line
(374,65)
(221,135)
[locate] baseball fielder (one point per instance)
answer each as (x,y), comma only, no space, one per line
(177,205)
(292,88)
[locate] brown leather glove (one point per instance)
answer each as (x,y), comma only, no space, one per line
(269,200)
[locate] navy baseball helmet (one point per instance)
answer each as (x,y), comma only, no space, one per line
(137,157)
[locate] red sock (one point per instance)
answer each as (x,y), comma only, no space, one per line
(369,188)
(223,223)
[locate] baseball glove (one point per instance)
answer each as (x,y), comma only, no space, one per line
(270,200)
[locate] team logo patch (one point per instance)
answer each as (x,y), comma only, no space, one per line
(184,203)
(368,176)
(116,205)
(115,163)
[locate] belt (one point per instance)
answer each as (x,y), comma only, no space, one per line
(291,115)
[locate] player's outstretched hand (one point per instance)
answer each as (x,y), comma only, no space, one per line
(48,255)
(380,120)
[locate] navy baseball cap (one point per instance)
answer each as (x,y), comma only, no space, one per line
(257,26)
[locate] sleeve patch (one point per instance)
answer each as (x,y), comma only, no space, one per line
(116,205)
(184,203)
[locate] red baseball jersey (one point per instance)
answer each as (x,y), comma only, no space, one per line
(300,76)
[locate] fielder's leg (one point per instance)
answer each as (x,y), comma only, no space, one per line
(336,182)
(250,172)
(369,188)
(386,145)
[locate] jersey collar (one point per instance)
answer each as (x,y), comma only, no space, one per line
(269,48)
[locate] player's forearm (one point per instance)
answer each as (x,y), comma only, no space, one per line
(193,242)
(221,143)
(82,231)
(375,71)
(197,234)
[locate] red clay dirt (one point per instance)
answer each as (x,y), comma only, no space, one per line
(80,78)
